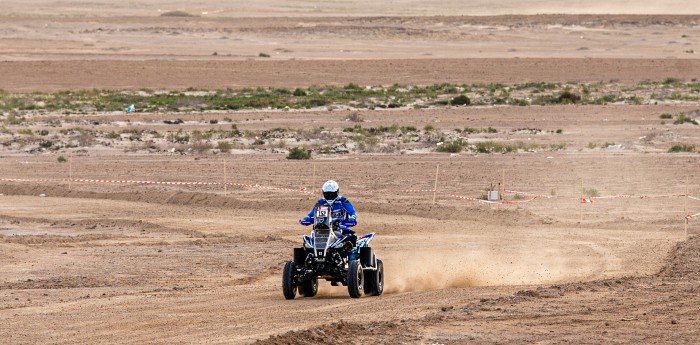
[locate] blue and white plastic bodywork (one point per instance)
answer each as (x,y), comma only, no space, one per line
(321,240)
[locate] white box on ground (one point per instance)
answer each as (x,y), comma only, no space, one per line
(493,195)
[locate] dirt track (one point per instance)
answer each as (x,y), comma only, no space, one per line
(130,263)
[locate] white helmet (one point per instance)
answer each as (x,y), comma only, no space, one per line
(330,190)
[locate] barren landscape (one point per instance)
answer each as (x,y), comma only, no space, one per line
(170,223)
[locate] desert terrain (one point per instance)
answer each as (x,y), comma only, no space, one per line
(170,223)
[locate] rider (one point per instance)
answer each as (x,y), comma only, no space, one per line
(342,210)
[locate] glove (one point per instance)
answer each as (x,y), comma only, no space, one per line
(348,222)
(347,232)
(306,221)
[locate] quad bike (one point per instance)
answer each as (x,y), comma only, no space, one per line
(335,254)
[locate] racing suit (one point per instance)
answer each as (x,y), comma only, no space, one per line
(342,211)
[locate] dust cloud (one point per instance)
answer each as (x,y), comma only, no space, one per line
(432,266)
(430,269)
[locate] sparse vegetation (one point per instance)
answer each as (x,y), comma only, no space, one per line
(682,118)
(62,159)
(264,55)
(557,147)
(682,148)
(299,153)
(491,147)
(354,117)
(470,130)
(460,100)
(145,100)
(25,131)
(224,146)
(590,192)
(176,14)
(454,146)
(201,147)
(20,111)
(569,97)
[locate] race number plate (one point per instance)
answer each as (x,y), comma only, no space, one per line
(323,211)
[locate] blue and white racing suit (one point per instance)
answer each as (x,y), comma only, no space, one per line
(342,211)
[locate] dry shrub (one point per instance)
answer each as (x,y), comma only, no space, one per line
(224,146)
(201,147)
(85,139)
(354,117)
(569,97)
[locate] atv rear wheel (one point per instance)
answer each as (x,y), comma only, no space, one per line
(356,279)
(310,288)
(374,282)
(288,287)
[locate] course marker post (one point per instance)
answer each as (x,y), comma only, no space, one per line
(502,189)
(313,179)
(580,206)
(685,207)
(437,171)
(70,172)
(225,178)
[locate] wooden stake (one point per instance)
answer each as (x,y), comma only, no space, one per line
(502,188)
(503,184)
(437,171)
(313,179)
(685,207)
(225,179)
(70,172)
(580,206)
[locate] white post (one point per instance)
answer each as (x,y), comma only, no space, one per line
(580,206)
(437,171)
(685,207)
(70,172)
(225,179)
(503,185)
(313,180)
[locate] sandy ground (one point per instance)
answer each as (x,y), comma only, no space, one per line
(126,263)
(311,8)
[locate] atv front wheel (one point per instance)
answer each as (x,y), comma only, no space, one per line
(355,279)
(288,287)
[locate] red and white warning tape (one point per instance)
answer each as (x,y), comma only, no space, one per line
(691,216)
(24,180)
(589,200)
(185,183)
(482,201)
(178,183)
(586,200)
(612,197)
